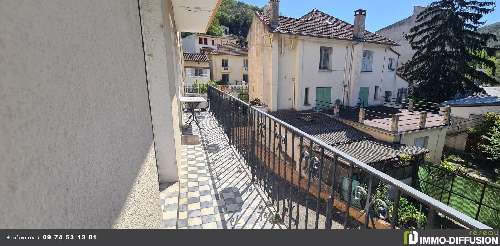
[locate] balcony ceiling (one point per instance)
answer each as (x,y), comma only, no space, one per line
(194,15)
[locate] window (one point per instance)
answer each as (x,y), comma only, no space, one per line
(225,63)
(306,97)
(213,42)
(402,94)
(392,64)
(367,61)
(325,58)
(200,40)
(422,142)
(388,96)
(376,93)
(245,64)
(199,72)
(225,78)
(245,77)
(205,41)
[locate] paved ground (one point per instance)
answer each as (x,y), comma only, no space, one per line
(215,189)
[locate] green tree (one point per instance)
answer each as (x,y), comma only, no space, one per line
(215,28)
(448,48)
(484,140)
(491,147)
(235,15)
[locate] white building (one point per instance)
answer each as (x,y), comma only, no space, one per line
(229,64)
(397,32)
(89,116)
(196,42)
(318,60)
(196,69)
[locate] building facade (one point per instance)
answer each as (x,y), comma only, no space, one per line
(88,110)
(196,69)
(319,60)
(196,42)
(397,32)
(229,64)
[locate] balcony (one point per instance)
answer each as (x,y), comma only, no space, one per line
(252,170)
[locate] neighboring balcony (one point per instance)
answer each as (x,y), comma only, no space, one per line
(251,170)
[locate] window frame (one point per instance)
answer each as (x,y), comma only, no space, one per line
(200,40)
(368,60)
(329,52)
(225,75)
(387,96)
(376,93)
(425,141)
(391,65)
(306,96)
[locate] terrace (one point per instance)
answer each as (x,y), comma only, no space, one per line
(253,170)
(402,118)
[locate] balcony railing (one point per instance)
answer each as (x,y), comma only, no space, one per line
(314,185)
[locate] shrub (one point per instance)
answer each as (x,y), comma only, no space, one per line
(409,217)
(484,140)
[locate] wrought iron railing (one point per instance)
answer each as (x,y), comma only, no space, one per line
(474,197)
(314,185)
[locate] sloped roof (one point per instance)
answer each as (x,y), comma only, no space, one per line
(321,25)
(474,101)
(227,49)
(347,139)
(492,91)
(196,57)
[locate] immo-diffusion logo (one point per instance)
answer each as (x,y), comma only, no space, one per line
(410,238)
(413,238)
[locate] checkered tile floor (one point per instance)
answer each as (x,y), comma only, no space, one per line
(215,189)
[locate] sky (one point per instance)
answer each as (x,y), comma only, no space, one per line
(380,13)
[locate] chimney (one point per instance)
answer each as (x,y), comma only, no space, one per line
(359,24)
(275,13)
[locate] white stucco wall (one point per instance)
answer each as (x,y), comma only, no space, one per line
(188,44)
(465,112)
(397,32)
(435,144)
(77,148)
(164,64)
(261,49)
(298,68)
(190,77)
(191,43)
(235,70)
(381,76)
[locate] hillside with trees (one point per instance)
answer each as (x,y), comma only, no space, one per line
(235,15)
(495,30)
